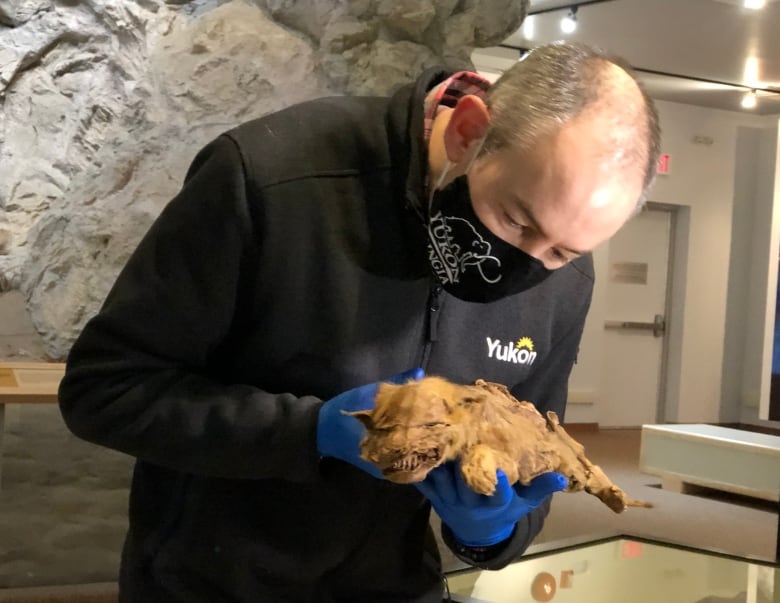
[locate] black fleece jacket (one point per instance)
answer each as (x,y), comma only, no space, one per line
(292,267)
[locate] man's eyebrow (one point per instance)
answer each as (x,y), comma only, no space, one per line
(529,215)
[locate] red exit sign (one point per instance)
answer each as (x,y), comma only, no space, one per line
(664,164)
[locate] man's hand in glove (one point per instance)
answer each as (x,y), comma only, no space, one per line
(477,520)
(339,435)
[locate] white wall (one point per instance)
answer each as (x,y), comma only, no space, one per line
(752,276)
(702,179)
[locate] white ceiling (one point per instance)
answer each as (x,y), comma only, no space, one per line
(707,42)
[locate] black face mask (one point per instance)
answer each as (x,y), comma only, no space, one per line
(469,261)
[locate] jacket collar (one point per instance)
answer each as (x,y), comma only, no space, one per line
(406,128)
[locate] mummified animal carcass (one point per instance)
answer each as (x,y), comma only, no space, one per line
(419,425)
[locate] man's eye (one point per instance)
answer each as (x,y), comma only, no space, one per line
(514,223)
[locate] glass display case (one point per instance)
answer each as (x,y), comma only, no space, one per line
(617,569)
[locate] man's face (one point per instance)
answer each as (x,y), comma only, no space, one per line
(559,199)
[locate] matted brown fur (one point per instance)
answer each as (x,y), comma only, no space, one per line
(419,425)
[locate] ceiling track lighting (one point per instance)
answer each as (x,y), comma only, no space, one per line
(556,9)
(749,99)
(569,22)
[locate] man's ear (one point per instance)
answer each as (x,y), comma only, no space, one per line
(468,124)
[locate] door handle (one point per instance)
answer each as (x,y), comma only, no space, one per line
(658,326)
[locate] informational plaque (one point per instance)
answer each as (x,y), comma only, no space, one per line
(633,273)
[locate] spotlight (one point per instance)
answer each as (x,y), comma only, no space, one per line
(749,101)
(754,4)
(569,22)
(750,74)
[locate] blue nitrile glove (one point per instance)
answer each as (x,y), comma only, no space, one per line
(477,520)
(339,435)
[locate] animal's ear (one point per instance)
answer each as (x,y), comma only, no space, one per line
(364,416)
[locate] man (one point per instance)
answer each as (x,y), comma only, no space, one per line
(317,251)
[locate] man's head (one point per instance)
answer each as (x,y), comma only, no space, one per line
(560,154)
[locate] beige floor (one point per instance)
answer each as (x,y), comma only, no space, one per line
(702,518)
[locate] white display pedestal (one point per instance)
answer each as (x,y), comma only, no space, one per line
(722,458)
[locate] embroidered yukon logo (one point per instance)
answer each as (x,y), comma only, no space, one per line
(456,248)
(521,352)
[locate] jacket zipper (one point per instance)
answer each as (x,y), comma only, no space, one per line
(432,324)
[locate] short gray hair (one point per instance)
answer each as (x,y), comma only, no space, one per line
(554,83)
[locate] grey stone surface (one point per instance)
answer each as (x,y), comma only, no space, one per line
(19,341)
(105,102)
(98,134)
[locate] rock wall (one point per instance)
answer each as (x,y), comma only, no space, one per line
(103,104)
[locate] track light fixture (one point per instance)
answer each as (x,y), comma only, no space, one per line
(569,22)
(750,100)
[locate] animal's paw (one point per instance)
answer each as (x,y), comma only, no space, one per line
(478,466)
(479,479)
